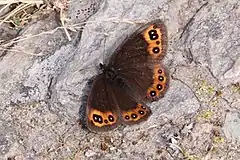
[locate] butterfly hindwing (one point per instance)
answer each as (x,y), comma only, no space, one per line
(149,81)
(102,112)
(132,111)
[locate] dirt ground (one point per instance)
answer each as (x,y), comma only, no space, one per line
(49,50)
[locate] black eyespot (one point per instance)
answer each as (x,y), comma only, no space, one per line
(97,118)
(158,42)
(153,93)
(111,118)
(141,112)
(160,78)
(159,87)
(154,37)
(154,26)
(127,117)
(155,50)
(134,116)
(160,71)
(153,34)
(143,107)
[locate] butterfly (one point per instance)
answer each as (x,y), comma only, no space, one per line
(132,77)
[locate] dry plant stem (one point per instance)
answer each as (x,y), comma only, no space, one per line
(75,26)
(113,20)
(62,18)
(23,1)
(20,7)
(19,39)
(20,51)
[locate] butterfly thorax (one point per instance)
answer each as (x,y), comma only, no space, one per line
(109,72)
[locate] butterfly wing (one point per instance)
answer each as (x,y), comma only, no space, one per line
(137,60)
(149,81)
(148,42)
(102,113)
(132,111)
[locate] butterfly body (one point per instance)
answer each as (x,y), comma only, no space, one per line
(132,76)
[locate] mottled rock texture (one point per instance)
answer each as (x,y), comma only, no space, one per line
(43,83)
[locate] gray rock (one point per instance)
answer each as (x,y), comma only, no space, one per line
(231,127)
(44,79)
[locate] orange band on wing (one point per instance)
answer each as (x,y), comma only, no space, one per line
(101,119)
(153,35)
(135,114)
(159,85)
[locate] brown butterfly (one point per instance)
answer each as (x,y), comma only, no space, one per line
(132,76)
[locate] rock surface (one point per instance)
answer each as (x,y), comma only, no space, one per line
(43,80)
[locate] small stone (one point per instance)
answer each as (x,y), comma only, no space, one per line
(89,153)
(108,140)
(113,148)
(104,146)
(232,125)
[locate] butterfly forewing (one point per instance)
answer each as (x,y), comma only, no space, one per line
(148,42)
